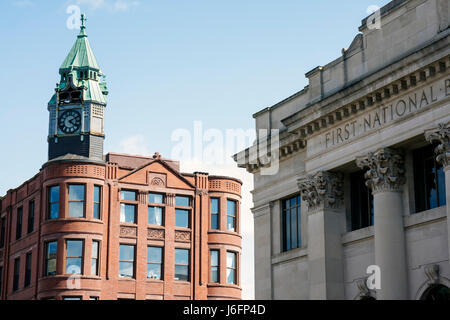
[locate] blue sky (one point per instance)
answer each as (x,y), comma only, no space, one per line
(168,63)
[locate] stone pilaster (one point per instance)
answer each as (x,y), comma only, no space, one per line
(323,193)
(385,177)
(441,136)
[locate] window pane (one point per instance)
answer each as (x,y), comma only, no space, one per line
(128,195)
(73,266)
(441,186)
(230,223)
(94,267)
(96,194)
(51,258)
(182,201)
(214,205)
(215,221)
(214,258)
(214,274)
(95,249)
(126,269)
(76,209)
(182,273)
(127,213)
(155,198)
(182,256)
(155,215)
(76,193)
(231,208)
(74,248)
(153,271)
(51,250)
(126,252)
(54,194)
(154,254)
(54,211)
(231,260)
(96,211)
(231,276)
(182,218)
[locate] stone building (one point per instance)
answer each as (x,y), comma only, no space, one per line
(96,227)
(352,173)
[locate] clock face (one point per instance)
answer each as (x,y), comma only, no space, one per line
(70,121)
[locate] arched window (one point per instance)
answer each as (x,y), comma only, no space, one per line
(436,292)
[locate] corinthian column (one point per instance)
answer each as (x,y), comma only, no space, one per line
(385,177)
(441,136)
(323,193)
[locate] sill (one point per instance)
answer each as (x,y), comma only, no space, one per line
(72,219)
(183,282)
(155,280)
(293,254)
(423,217)
(218,231)
(182,229)
(126,279)
(226,285)
(358,235)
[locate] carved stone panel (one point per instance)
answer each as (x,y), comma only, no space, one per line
(128,232)
(156,234)
(157,179)
(183,236)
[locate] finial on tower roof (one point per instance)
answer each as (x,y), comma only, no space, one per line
(83,25)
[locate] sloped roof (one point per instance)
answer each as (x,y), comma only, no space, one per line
(81,54)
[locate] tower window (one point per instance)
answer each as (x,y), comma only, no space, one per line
(215,266)
(291,223)
(215,213)
(16,274)
(429,180)
(362,212)
(50,258)
(53,202)
(77,194)
(231,267)
(2,232)
(19,223)
(28,266)
(97,201)
(31,208)
(231,215)
(74,256)
(95,257)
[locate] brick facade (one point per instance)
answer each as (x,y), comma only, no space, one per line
(119,172)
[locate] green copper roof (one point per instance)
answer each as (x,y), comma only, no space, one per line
(81,67)
(81,54)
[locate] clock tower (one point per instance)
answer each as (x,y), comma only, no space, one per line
(77,108)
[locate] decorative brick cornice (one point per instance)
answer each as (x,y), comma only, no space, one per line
(386,169)
(441,136)
(322,190)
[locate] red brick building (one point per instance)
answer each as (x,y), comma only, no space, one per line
(118,226)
